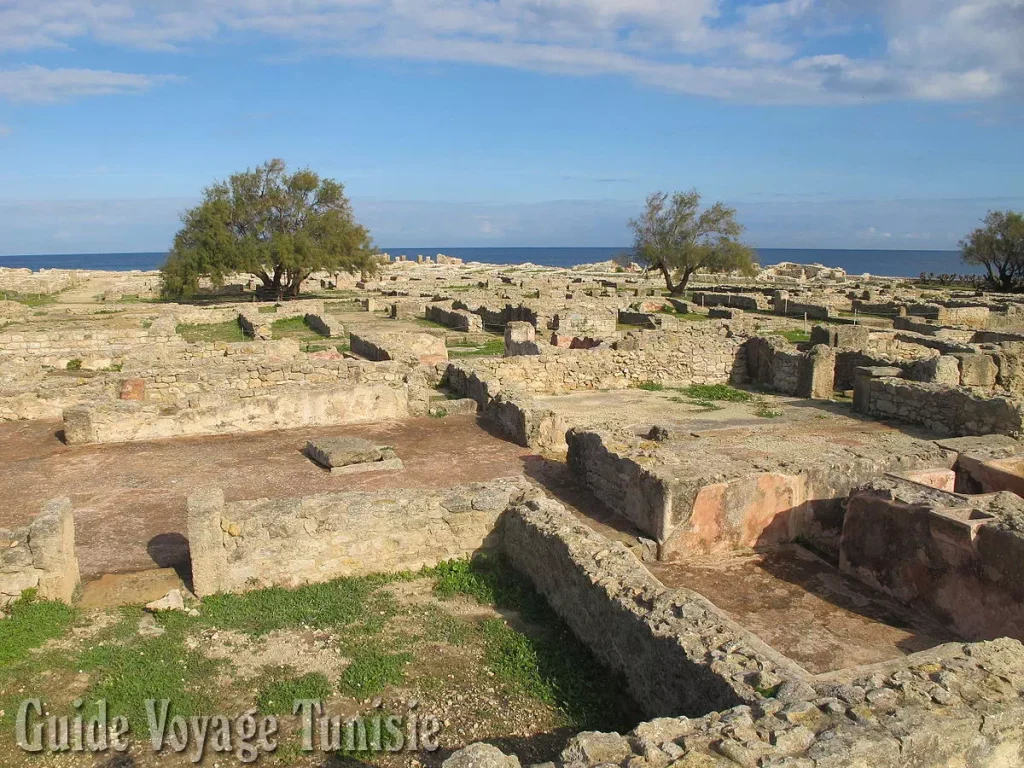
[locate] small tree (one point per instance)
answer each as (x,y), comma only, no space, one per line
(674,236)
(998,246)
(277,226)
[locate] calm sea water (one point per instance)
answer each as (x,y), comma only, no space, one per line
(895,263)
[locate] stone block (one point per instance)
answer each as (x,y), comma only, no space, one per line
(133,389)
(342,451)
(977,370)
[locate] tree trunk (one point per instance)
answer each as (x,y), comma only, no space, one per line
(668,277)
(680,288)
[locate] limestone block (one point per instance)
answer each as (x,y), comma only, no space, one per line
(342,451)
(977,370)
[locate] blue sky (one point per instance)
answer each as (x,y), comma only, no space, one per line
(826,123)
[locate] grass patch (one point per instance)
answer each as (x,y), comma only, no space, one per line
(228,331)
(438,413)
(331,604)
(649,386)
(717,393)
(794,336)
(553,666)
(29,299)
(372,670)
(74,365)
(267,309)
(282,688)
(489,348)
(765,411)
(126,674)
(30,624)
(295,328)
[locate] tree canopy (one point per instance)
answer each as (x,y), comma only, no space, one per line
(677,238)
(278,226)
(998,246)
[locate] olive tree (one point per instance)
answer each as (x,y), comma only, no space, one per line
(998,246)
(674,236)
(278,226)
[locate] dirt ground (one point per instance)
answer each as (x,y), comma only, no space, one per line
(802,607)
(129,499)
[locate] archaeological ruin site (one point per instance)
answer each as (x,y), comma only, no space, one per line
(776,522)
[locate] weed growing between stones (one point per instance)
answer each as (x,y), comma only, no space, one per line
(649,386)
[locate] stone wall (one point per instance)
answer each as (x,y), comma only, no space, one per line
(245,545)
(697,353)
(688,504)
(774,363)
(283,408)
(878,392)
(960,558)
(411,348)
(458,319)
(40,556)
(750,302)
(958,705)
(679,654)
(56,347)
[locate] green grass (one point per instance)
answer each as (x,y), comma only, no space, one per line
(794,336)
(267,310)
(74,365)
(372,670)
(551,665)
(29,299)
(229,331)
(30,624)
(331,604)
(717,393)
(282,688)
(295,328)
(649,386)
(125,674)
(489,348)
(765,411)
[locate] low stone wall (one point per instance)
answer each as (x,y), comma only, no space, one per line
(774,363)
(959,557)
(514,412)
(521,339)
(945,410)
(40,556)
(246,545)
(284,408)
(414,348)
(705,507)
(325,325)
(786,306)
(750,302)
(57,346)
(457,319)
(679,654)
(697,353)
(958,705)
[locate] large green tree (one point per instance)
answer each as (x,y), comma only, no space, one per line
(998,246)
(278,226)
(677,238)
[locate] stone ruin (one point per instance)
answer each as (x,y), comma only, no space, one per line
(824,571)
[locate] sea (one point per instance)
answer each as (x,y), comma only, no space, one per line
(857,262)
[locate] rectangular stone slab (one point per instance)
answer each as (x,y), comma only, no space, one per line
(342,451)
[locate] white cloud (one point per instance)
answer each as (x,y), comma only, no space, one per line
(792,51)
(40,85)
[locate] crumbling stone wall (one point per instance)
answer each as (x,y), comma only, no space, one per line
(959,557)
(40,556)
(412,348)
(245,545)
(774,363)
(283,408)
(697,353)
(56,346)
(958,705)
(680,655)
(458,319)
(945,410)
